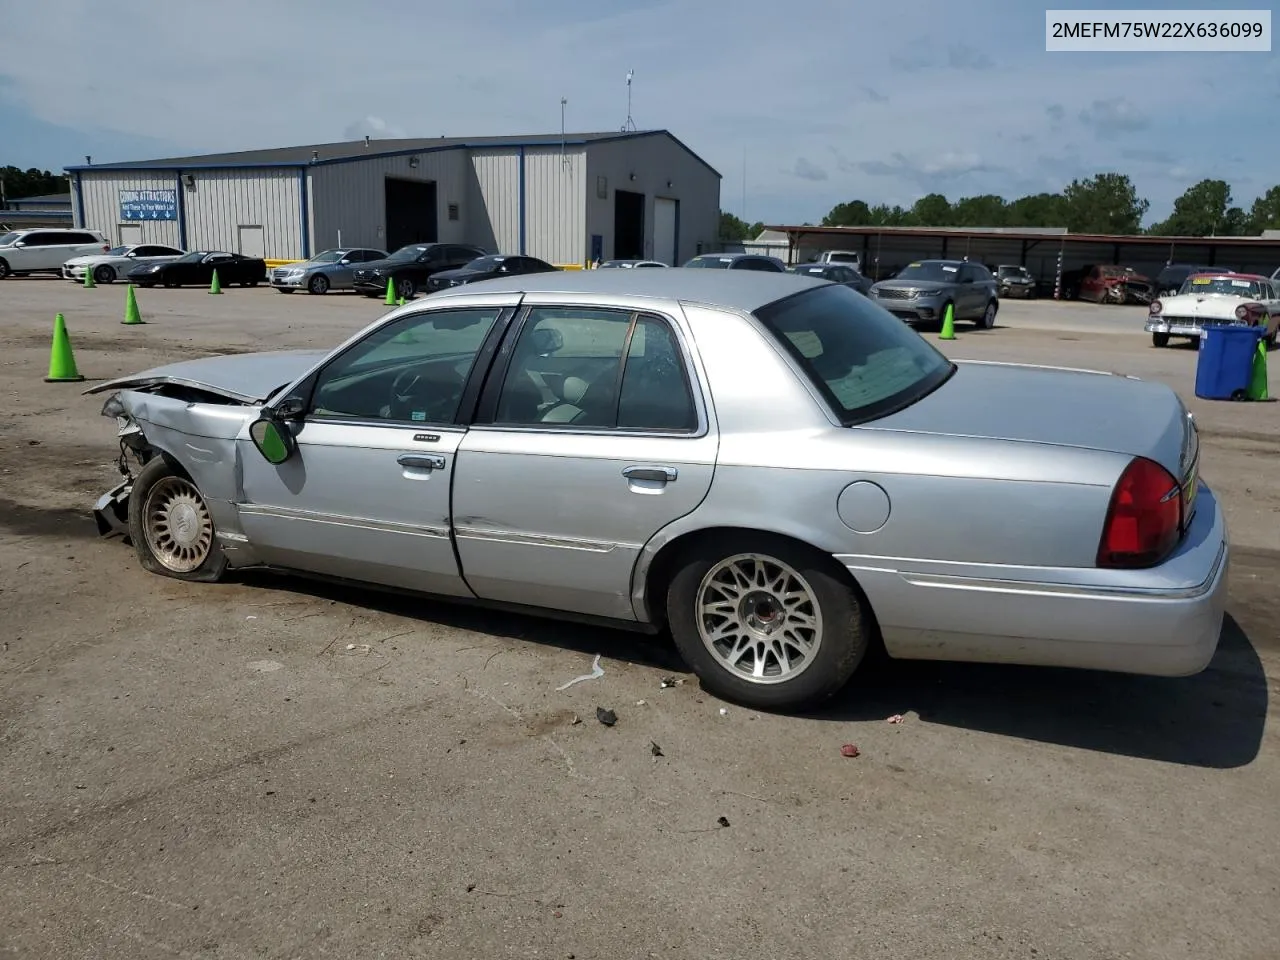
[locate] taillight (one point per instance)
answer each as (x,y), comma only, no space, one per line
(1144,519)
(1156,306)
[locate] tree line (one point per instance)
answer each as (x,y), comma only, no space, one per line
(1107,203)
(15,183)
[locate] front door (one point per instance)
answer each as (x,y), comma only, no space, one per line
(592,441)
(366,495)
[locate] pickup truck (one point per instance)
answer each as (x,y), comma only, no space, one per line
(841,256)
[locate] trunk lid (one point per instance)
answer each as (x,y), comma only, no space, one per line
(244,377)
(1064,407)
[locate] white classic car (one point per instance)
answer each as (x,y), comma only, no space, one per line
(1240,299)
(118,261)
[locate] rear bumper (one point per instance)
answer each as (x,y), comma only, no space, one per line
(1163,621)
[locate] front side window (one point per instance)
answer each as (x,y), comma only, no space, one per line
(865,361)
(593,368)
(410,371)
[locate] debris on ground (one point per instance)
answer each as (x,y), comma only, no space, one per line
(671,682)
(596,671)
(607,717)
(575,721)
(641,703)
(849,750)
(896,718)
(358,649)
(723,821)
(655,749)
(724,712)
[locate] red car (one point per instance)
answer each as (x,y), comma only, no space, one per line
(1107,283)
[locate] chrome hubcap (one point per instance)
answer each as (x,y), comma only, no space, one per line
(178,527)
(759,618)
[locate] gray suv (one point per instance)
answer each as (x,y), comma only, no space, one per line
(921,291)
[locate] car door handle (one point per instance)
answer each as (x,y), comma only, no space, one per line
(653,474)
(417,461)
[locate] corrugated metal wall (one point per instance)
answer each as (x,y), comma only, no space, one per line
(493,202)
(222,201)
(654,160)
(555,204)
(351,197)
(101,194)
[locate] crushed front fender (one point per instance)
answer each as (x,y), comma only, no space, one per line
(111,512)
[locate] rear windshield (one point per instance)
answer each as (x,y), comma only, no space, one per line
(863,359)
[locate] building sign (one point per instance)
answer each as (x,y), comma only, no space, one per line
(148,204)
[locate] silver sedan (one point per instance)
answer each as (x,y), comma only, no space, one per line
(327,270)
(770,466)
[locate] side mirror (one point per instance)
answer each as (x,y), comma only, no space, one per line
(20,243)
(273,439)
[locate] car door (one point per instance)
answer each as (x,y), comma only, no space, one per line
(591,437)
(43,251)
(366,495)
(222,262)
(967,291)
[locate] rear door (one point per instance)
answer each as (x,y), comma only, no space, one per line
(591,437)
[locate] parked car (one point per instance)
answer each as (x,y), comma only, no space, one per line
(850,257)
(118,261)
(24,252)
(328,270)
(922,290)
(1170,279)
(627,264)
(1221,297)
(737,261)
(1014,280)
(197,268)
(1107,283)
(486,268)
(836,273)
(777,470)
(410,266)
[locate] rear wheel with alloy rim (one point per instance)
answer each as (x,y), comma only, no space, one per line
(767,622)
(171,527)
(988,319)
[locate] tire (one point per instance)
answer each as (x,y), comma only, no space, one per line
(988,318)
(4,268)
(104,274)
(171,283)
(163,496)
(1159,339)
(318,284)
(843,623)
(405,288)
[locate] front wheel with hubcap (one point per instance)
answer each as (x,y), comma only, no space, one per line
(318,284)
(171,527)
(766,622)
(988,319)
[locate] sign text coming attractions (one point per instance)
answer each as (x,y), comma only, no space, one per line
(148,204)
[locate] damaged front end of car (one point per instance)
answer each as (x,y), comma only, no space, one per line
(111,512)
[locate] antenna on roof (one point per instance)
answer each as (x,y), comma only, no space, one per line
(366,139)
(630,125)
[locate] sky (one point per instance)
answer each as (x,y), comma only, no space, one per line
(800,108)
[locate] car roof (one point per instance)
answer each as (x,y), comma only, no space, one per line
(947,262)
(745,290)
(1228,273)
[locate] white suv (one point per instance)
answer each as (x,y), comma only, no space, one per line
(45,251)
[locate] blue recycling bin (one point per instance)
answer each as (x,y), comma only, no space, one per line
(1225,364)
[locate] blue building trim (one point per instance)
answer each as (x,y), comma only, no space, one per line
(79,218)
(675,248)
(520,200)
(306,216)
(182,210)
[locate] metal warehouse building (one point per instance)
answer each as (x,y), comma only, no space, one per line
(566,199)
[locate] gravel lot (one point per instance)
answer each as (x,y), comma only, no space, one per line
(229,772)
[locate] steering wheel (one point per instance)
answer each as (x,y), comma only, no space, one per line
(412,392)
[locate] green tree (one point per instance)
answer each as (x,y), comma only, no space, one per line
(735,230)
(987,210)
(1105,203)
(1203,210)
(854,213)
(1265,212)
(1037,210)
(932,210)
(16,184)
(883,215)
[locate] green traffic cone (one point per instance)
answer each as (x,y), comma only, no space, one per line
(89,283)
(131,314)
(62,362)
(1258,380)
(390,299)
(400,302)
(216,286)
(948,324)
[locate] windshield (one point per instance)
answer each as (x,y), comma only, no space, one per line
(1228,286)
(711,263)
(1013,271)
(863,359)
(118,251)
(8,239)
(933,270)
(411,252)
(327,256)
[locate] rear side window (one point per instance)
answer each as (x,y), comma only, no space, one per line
(865,361)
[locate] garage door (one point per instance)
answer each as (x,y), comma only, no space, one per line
(664,230)
(130,233)
(253,241)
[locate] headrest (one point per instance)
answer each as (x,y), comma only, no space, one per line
(573,389)
(546,340)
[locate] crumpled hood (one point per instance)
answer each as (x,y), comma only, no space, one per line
(245,377)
